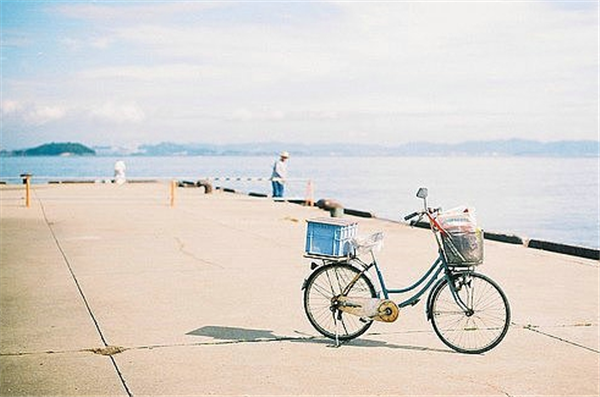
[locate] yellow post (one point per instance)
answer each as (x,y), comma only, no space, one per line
(27,182)
(173,186)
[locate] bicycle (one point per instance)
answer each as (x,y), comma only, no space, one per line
(468,311)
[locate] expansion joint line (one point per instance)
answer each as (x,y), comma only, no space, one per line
(85,301)
(533,329)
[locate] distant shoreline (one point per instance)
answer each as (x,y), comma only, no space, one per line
(306,155)
(496,148)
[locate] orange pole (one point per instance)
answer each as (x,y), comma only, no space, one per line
(309,199)
(173,185)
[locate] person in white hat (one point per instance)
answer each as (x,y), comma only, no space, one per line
(279,174)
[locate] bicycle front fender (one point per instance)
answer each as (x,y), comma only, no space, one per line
(430,297)
(439,285)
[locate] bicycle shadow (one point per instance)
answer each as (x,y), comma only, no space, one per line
(231,335)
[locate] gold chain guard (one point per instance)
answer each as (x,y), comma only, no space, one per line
(376,309)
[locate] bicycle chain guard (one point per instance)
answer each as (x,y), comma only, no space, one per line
(388,311)
(383,310)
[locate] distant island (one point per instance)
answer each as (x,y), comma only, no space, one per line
(496,148)
(511,147)
(54,149)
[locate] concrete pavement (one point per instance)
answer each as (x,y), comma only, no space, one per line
(107,290)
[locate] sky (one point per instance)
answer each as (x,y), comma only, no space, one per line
(124,73)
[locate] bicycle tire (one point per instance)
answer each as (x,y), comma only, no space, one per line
(475,332)
(321,287)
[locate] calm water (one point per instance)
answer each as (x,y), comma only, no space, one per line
(553,199)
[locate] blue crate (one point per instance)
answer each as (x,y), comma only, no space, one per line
(330,236)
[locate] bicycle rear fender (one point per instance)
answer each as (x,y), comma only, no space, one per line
(355,266)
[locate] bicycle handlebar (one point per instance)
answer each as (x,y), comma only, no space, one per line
(407,217)
(421,213)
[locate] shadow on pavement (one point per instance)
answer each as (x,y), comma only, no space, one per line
(234,333)
(241,335)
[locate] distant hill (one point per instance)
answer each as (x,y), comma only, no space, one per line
(500,148)
(513,147)
(55,149)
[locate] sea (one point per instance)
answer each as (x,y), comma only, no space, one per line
(547,198)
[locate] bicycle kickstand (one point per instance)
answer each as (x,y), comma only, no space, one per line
(337,328)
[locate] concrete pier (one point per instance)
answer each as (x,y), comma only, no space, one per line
(111,290)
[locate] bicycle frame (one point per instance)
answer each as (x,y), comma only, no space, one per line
(425,282)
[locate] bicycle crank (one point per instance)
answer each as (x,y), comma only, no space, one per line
(376,309)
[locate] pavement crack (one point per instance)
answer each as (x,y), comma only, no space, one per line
(16,354)
(104,351)
(192,255)
(536,329)
(488,384)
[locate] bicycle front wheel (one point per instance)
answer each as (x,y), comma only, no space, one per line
(322,286)
(483,324)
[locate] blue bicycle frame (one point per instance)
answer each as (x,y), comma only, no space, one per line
(431,275)
(425,282)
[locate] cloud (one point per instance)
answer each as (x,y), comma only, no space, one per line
(154,73)
(38,114)
(77,44)
(387,71)
(371,56)
(248,115)
(45,114)
(118,112)
(9,107)
(125,13)
(31,113)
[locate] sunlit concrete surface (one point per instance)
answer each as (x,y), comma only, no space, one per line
(110,290)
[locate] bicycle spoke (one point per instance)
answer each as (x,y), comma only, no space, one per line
(324,290)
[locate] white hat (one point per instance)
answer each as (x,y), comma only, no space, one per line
(284,154)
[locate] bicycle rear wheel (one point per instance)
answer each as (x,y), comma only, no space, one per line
(479,329)
(322,286)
